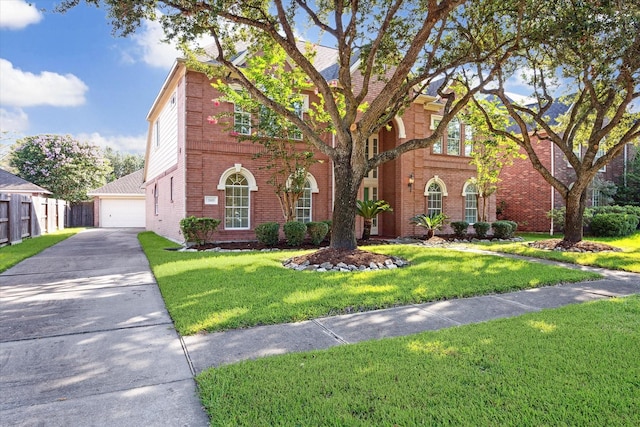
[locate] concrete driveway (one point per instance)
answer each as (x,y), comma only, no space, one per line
(85,340)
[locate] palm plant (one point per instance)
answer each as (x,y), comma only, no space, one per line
(368,210)
(430,223)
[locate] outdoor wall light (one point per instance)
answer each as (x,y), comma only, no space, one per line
(411,181)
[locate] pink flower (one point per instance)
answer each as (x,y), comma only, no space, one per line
(233,133)
(212,120)
(216,102)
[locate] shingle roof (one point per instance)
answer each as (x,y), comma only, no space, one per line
(128,184)
(10,183)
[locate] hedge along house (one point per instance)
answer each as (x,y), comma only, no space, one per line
(525,197)
(196,168)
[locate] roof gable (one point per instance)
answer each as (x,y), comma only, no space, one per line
(129,184)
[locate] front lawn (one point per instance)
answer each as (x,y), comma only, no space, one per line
(627,260)
(216,291)
(576,365)
(11,255)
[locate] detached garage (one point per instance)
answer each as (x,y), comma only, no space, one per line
(120,203)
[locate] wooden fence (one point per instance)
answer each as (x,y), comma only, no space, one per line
(24,216)
(79,215)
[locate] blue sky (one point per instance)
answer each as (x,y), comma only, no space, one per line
(67,74)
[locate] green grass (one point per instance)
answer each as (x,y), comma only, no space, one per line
(213,291)
(627,260)
(11,255)
(577,365)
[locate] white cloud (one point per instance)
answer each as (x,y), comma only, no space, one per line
(25,89)
(151,49)
(17,14)
(124,143)
(13,120)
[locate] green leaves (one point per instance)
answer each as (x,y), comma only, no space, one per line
(66,167)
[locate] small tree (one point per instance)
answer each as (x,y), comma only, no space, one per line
(66,167)
(490,151)
(368,210)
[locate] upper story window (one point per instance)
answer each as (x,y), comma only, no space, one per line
(156,132)
(436,148)
(453,138)
(468,140)
(241,120)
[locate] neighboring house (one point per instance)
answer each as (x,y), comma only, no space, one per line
(12,184)
(120,203)
(525,197)
(196,168)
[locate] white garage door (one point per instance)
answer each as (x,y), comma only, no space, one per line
(122,213)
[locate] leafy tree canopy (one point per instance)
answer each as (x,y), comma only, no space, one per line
(122,163)
(66,167)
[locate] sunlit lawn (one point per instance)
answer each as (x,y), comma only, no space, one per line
(628,259)
(11,255)
(577,365)
(214,291)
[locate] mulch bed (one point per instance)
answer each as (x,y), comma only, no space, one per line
(582,246)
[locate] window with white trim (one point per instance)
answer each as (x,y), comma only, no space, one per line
(434,199)
(156,204)
(453,137)
(468,140)
(241,120)
(236,202)
(470,203)
(436,148)
(303,205)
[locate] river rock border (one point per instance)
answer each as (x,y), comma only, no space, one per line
(389,264)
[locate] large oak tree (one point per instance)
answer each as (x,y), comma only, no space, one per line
(400,48)
(585,59)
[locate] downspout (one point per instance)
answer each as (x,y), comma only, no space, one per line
(552,174)
(626,159)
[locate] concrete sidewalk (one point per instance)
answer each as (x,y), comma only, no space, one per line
(85,340)
(206,350)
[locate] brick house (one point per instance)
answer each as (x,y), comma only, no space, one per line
(195,168)
(525,197)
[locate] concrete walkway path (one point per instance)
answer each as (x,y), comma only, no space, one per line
(85,340)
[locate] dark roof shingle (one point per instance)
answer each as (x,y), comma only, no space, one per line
(128,184)
(10,183)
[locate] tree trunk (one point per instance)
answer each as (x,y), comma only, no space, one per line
(343,226)
(575,205)
(366,230)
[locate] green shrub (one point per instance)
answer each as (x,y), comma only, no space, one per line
(628,209)
(267,233)
(198,230)
(329,224)
(317,231)
(460,228)
(613,224)
(514,227)
(294,231)
(482,228)
(558,217)
(502,229)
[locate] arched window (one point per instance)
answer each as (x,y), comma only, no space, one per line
(470,193)
(236,202)
(303,205)
(434,199)
(453,138)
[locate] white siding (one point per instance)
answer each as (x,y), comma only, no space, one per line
(163,150)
